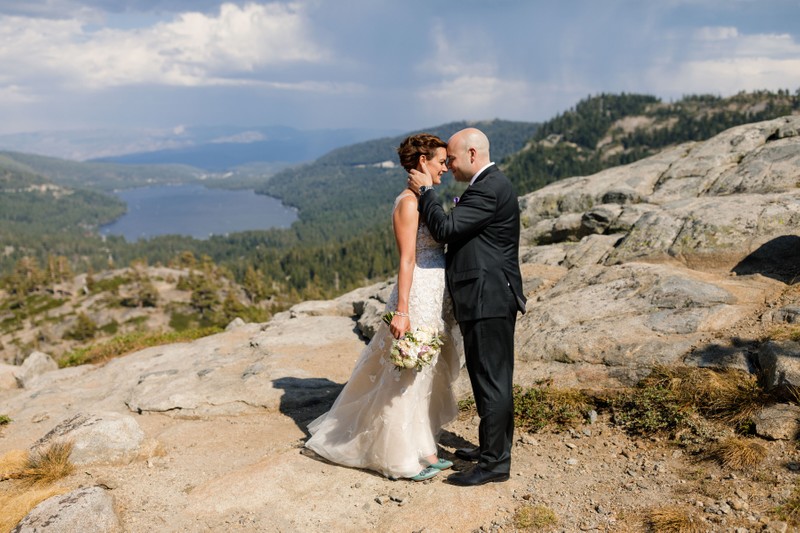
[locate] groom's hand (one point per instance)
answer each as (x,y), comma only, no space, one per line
(417,179)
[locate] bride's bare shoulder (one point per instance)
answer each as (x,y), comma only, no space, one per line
(405,197)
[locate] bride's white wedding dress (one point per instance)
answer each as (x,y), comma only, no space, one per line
(386,419)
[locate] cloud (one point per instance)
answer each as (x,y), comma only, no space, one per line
(13,94)
(729,76)
(724,60)
(68,9)
(236,45)
(52,9)
(729,42)
(323,63)
(474,96)
(466,81)
(716,33)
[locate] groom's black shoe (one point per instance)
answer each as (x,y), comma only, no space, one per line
(476,476)
(468,454)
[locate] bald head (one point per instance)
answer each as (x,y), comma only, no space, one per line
(467,152)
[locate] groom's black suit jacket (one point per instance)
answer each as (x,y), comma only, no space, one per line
(482,236)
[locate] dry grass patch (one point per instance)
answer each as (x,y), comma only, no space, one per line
(11,463)
(673,520)
(41,468)
(531,517)
(738,453)
(49,465)
(17,505)
(30,478)
(730,396)
(783,332)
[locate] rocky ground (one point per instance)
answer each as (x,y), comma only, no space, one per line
(226,468)
(250,472)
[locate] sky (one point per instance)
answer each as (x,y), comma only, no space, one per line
(70,65)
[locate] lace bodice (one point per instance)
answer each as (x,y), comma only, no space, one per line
(429,253)
(428,303)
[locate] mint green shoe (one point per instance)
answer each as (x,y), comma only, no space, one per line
(426,473)
(441,464)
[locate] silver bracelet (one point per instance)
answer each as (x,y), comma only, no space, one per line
(400,313)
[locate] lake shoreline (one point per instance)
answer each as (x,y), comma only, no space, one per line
(196,211)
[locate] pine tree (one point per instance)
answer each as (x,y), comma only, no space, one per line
(85,328)
(147,294)
(254,285)
(204,296)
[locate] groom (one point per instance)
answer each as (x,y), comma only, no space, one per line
(482,237)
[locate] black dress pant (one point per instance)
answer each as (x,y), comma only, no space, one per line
(489,353)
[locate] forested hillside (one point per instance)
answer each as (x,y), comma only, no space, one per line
(608,130)
(39,219)
(351,189)
(101,176)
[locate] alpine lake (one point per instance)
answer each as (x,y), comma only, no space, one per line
(196,211)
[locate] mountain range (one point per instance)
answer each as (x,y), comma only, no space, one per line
(210,148)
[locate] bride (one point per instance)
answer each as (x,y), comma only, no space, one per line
(387,419)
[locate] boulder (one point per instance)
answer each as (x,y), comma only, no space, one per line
(235,323)
(36,364)
(105,437)
(780,365)
(778,422)
(84,510)
(371,318)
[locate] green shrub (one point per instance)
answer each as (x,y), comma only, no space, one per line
(84,329)
(109,285)
(110,328)
(136,321)
(180,321)
(39,303)
(646,410)
(465,404)
(543,406)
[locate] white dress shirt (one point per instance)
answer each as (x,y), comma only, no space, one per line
(478,173)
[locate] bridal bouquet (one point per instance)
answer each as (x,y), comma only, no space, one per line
(417,348)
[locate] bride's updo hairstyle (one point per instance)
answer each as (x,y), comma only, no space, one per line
(415,146)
